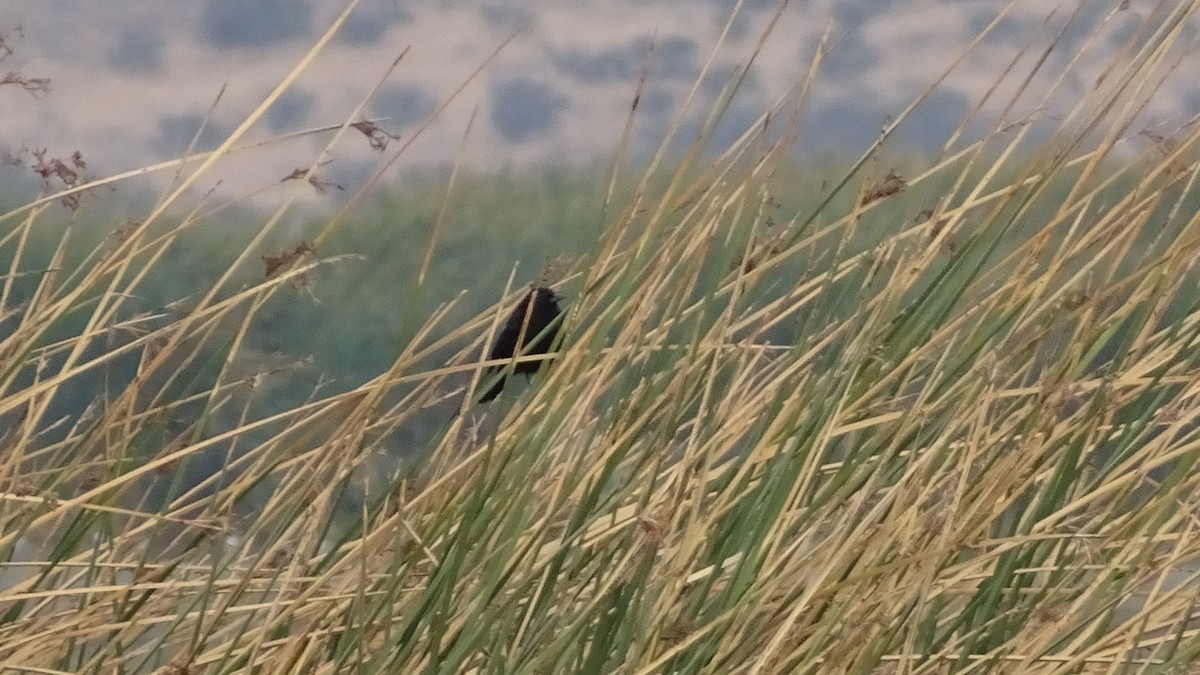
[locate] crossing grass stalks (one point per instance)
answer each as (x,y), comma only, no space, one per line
(873,436)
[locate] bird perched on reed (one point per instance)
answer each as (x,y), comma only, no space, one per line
(530,330)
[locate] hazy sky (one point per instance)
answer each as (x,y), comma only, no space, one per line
(132,80)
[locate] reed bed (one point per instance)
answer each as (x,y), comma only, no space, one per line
(942,419)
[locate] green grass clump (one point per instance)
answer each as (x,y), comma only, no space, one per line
(937,420)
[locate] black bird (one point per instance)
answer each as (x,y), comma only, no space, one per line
(534,324)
